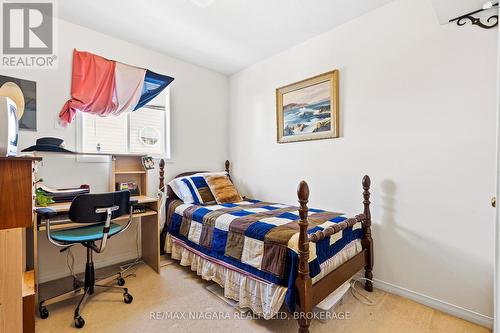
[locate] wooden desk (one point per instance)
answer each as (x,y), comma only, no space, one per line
(63,207)
(123,169)
(150,233)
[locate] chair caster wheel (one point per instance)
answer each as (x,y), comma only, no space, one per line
(121,281)
(79,322)
(44,313)
(76,284)
(127,298)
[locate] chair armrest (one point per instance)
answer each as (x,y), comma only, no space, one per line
(46,213)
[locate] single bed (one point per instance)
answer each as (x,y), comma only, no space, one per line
(265,254)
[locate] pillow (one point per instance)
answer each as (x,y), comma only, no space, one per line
(181,190)
(199,190)
(223,189)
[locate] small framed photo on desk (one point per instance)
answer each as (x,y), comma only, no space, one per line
(131,186)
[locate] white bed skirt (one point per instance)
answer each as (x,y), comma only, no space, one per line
(262,297)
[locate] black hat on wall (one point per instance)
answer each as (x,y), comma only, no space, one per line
(49,144)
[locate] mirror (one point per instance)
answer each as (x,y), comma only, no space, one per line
(149,136)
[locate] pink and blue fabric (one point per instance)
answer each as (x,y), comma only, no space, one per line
(105,87)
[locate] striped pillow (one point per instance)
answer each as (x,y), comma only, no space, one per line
(199,190)
(182,190)
(223,189)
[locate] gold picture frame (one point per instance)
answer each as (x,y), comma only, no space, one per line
(311,107)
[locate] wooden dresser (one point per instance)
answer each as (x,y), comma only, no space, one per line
(16,214)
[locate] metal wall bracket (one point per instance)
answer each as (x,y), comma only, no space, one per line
(485,23)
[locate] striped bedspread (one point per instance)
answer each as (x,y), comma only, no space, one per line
(259,237)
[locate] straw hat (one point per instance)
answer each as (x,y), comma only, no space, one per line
(12,90)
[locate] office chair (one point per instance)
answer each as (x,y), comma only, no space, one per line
(97,210)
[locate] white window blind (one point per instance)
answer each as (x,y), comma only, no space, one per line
(145,131)
(106,135)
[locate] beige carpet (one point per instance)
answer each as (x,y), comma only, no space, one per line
(179,289)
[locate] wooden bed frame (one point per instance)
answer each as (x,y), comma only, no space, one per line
(309,295)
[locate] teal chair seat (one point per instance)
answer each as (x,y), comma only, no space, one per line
(84,234)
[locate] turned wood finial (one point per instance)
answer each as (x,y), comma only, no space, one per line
(366,182)
(303,194)
(227,164)
(162,172)
(303,191)
(366,197)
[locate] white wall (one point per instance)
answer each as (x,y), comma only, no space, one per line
(417,114)
(199,100)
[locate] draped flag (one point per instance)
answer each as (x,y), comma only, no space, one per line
(105,87)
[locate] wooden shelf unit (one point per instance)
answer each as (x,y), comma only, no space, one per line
(17,288)
(128,169)
(129,172)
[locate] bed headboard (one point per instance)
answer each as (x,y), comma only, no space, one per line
(170,193)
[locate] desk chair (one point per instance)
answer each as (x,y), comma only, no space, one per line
(97,210)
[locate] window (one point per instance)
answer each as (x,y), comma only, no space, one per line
(145,131)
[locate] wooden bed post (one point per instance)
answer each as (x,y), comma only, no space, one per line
(367,241)
(227,168)
(303,282)
(162,172)
(162,188)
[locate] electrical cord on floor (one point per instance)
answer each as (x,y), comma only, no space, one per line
(358,294)
(125,268)
(70,262)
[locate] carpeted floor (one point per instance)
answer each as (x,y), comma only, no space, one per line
(179,289)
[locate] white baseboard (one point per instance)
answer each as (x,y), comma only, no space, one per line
(434,303)
(80,267)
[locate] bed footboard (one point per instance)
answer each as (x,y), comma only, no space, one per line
(309,295)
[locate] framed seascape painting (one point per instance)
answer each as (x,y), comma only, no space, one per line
(308,109)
